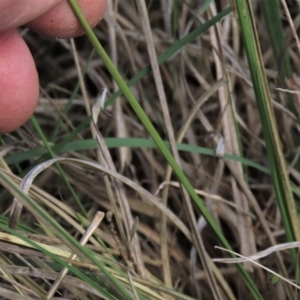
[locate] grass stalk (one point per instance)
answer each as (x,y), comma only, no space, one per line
(245,16)
(159,142)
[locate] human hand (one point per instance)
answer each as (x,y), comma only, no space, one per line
(19,85)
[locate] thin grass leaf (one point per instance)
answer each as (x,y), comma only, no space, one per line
(177,46)
(62,174)
(276,159)
(138,143)
(61,232)
(272,15)
(159,142)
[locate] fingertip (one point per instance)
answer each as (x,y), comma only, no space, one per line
(61,22)
(18,82)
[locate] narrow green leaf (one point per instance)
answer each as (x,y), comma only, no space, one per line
(276,159)
(158,141)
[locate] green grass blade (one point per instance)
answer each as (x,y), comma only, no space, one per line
(271,11)
(61,262)
(34,208)
(70,102)
(134,143)
(171,51)
(272,16)
(62,173)
(158,141)
(278,168)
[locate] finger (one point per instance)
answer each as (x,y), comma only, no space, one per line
(18,76)
(54,18)
(18,82)
(14,13)
(61,22)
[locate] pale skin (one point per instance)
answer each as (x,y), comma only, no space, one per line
(19,85)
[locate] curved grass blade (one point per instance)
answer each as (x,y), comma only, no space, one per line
(134,143)
(62,233)
(159,142)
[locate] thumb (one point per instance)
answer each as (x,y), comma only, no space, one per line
(15,13)
(18,82)
(61,22)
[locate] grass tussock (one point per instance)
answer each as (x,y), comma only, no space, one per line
(122,191)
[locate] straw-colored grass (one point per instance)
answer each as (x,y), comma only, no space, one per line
(126,189)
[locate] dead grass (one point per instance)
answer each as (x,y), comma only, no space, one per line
(240,199)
